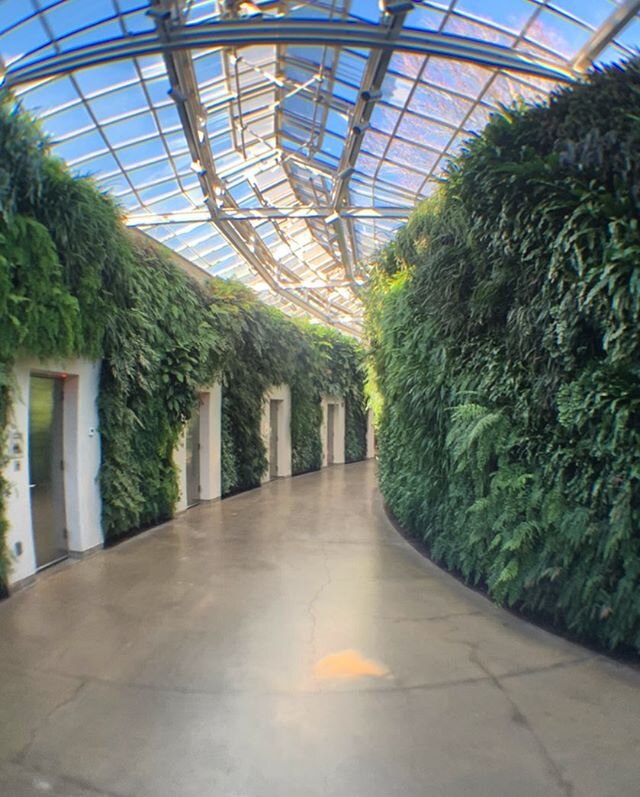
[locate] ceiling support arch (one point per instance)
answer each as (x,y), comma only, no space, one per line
(234,33)
(296,137)
(238,233)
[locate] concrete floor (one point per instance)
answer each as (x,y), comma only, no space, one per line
(285,643)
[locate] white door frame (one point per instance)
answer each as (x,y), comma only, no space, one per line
(338,430)
(81,458)
(371,436)
(280,393)
(210,448)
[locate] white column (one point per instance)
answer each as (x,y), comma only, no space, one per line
(180,461)
(82,459)
(284,432)
(339,432)
(371,440)
(20,546)
(210,443)
(323,432)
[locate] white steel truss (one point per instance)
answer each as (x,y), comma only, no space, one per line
(282,142)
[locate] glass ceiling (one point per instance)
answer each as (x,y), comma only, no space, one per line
(279,142)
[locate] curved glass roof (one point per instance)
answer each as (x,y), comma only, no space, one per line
(280,142)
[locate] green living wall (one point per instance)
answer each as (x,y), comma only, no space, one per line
(504,322)
(272,349)
(74,281)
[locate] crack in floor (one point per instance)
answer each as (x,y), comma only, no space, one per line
(427,618)
(22,754)
(58,782)
(385,687)
(519,717)
(311,608)
(317,608)
(414,753)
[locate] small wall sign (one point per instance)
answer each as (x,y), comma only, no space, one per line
(16,444)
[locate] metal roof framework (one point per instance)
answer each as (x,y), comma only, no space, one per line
(278,142)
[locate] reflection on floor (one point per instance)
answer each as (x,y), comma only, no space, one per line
(288,643)
(347,664)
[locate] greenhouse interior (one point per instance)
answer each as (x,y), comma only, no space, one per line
(320,398)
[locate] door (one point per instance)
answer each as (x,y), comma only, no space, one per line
(192,446)
(273,438)
(331,421)
(46,477)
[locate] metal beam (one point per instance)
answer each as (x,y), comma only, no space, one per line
(370,92)
(605,34)
(240,235)
(375,72)
(233,33)
(319,286)
(263,213)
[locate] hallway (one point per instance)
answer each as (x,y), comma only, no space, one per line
(287,642)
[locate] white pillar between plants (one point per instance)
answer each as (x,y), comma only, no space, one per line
(281,394)
(180,461)
(81,461)
(339,419)
(210,443)
(371,439)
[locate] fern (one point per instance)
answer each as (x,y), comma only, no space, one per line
(505,345)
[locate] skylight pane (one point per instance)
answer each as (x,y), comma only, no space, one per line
(288,140)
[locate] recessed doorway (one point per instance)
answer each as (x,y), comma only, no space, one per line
(275,429)
(332,432)
(274,411)
(331,425)
(46,469)
(192,446)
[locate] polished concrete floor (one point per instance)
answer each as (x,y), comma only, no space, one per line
(287,642)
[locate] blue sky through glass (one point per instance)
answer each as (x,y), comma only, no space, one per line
(282,141)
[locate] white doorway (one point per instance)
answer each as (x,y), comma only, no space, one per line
(197,455)
(192,453)
(276,432)
(332,431)
(46,470)
(53,505)
(274,412)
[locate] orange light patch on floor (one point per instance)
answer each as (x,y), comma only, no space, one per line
(348,664)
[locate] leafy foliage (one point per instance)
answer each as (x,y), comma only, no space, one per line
(505,338)
(271,349)
(73,281)
(38,311)
(158,349)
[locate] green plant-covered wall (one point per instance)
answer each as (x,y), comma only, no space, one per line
(505,326)
(74,281)
(313,360)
